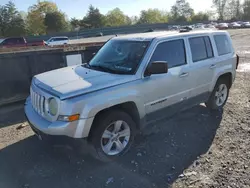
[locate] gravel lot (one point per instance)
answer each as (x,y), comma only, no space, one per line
(195,148)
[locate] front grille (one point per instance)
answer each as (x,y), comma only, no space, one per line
(38,102)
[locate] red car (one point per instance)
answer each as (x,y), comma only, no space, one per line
(19,42)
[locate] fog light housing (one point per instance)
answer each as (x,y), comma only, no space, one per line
(71,118)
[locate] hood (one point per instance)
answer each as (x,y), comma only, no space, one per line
(72,81)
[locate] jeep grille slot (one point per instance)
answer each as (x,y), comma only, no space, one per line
(38,102)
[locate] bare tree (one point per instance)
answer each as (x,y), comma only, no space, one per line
(220,7)
(233,10)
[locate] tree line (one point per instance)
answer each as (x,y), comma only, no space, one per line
(45,17)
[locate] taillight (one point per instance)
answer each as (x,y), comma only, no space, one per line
(237,60)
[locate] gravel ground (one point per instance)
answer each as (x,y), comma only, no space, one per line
(195,148)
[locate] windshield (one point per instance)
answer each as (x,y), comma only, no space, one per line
(120,56)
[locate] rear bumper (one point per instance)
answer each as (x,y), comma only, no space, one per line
(76,129)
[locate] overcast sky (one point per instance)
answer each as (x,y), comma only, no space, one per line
(78,8)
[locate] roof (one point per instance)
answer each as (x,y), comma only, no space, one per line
(152,35)
(59,37)
(145,36)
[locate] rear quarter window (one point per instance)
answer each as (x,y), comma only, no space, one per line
(222,44)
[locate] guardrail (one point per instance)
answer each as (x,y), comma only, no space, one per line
(68,47)
(17,68)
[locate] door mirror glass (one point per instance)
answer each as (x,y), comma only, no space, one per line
(157,67)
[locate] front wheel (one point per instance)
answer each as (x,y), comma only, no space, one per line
(219,95)
(112,135)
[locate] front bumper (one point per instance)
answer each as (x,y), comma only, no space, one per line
(76,129)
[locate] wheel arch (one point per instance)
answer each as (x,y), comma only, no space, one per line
(128,107)
(226,75)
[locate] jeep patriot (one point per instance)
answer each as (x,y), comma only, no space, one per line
(132,81)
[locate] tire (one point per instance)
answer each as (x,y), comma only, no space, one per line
(214,103)
(107,122)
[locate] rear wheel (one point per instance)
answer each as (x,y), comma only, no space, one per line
(219,95)
(112,135)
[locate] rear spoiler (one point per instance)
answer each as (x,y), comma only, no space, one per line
(237,60)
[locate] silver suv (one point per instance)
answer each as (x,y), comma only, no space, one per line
(132,81)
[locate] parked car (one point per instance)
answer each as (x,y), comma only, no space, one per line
(131,82)
(19,42)
(199,26)
(186,28)
(149,30)
(174,27)
(222,26)
(234,25)
(100,34)
(245,25)
(53,41)
(14,42)
(210,26)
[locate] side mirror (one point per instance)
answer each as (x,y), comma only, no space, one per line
(157,67)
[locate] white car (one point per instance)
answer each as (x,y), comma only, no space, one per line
(132,81)
(234,25)
(222,26)
(57,41)
(245,25)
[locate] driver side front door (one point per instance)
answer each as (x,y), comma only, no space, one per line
(164,94)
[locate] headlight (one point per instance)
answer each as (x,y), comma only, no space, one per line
(53,106)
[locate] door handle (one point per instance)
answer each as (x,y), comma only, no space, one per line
(212,66)
(184,74)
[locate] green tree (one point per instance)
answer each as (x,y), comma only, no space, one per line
(246,10)
(17,27)
(36,17)
(11,22)
(44,7)
(181,11)
(75,23)
(134,19)
(55,22)
(94,19)
(35,23)
(220,6)
(200,17)
(116,17)
(152,16)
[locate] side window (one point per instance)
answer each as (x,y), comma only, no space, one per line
(223,45)
(172,51)
(8,41)
(5,42)
(19,41)
(201,48)
(61,39)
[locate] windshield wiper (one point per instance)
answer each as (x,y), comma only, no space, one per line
(102,68)
(107,69)
(86,65)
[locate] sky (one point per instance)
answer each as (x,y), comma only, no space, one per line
(78,8)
